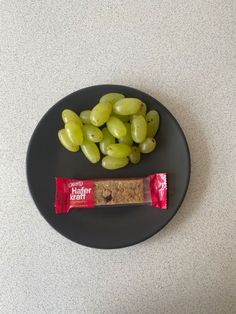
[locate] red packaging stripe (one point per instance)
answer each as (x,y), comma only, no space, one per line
(158,190)
(73,193)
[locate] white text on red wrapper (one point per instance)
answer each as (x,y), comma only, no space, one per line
(79,193)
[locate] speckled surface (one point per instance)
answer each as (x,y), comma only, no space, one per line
(182,53)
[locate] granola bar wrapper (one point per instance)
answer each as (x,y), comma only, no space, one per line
(76,193)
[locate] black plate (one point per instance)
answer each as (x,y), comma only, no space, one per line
(105,227)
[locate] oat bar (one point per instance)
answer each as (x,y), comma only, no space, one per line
(118,192)
(75,193)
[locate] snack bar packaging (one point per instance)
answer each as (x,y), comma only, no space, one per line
(75,193)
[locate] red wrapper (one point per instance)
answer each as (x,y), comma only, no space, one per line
(75,193)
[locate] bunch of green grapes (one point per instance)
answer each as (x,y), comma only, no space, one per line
(118,127)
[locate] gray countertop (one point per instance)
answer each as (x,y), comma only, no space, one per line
(183,54)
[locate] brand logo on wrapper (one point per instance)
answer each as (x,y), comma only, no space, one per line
(78,183)
(77,194)
(72,193)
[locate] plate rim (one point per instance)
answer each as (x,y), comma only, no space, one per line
(133,242)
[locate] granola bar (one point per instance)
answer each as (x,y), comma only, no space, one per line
(74,193)
(119,191)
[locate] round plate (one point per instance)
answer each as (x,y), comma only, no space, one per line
(105,227)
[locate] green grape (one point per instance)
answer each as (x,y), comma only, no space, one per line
(153,120)
(113,163)
(100,113)
(127,106)
(135,155)
(63,138)
(111,97)
(148,145)
(69,115)
(74,132)
(118,150)
(143,109)
(116,127)
(138,128)
(92,133)
(85,116)
(122,118)
(128,138)
(90,151)
(107,140)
